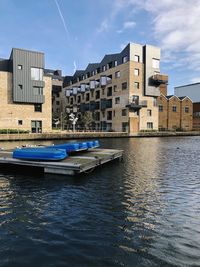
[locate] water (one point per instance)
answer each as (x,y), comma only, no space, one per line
(144,211)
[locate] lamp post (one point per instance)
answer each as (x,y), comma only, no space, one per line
(73,119)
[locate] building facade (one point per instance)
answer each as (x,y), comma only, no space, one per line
(120,92)
(193,91)
(175,113)
(25,92)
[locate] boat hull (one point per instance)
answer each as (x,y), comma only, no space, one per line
(49,154)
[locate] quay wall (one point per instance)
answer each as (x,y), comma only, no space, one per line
(88,135)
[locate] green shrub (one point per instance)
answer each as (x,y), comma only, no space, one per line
(13,131)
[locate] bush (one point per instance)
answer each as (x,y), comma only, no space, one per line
(13,131)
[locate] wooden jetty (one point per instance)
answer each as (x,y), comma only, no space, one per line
(74,164)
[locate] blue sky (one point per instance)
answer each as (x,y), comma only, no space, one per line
(75,33)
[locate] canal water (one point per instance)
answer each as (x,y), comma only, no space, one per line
(144,211)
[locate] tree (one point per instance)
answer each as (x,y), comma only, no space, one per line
(87,119)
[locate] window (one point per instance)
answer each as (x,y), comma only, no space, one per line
(36,74)
(36,126)
(109,103)
(149,112)
(124,112)
(186,109)
(20,86)
(136,72)
(149,125)
(115,63)
(109,91)
(103,91)
(117,74)
(174,108)
(124,85)
(137,58)
(38,107)
(160,108)
(155,63)
(97,94)
(37,90)
(136,85)
(20,122)
(109,115)
(117,100)
(155,102)
(79,99)
(125,126)
(19,67)
(103,68)
(87,97)
(115,88)
(57,103)
(124,59)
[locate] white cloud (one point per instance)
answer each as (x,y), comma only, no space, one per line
(195,79)
(104,26)
(127,25)
(175,28)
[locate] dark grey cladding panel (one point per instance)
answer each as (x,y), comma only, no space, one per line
(26,59)
(106,60)
(4,65)
(91,67)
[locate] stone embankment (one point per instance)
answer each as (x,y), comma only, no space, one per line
(87,135)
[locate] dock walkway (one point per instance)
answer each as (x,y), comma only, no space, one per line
(72,165)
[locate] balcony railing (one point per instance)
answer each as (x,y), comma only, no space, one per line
(160,79)
(136,105)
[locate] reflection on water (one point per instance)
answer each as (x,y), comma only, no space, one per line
(144,211)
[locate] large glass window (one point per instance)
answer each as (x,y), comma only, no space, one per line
(37,90)
(36,126)
(155,63)
(149,125)
(36,74)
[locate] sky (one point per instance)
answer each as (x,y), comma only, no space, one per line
(75,33)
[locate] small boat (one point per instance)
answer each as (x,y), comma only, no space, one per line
(41,153)
(69,147)
(83,145)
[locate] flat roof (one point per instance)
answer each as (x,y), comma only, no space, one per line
(186,85)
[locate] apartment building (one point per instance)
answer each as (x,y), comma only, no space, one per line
(120,92)
(25,92)
(175,113)
(57,84)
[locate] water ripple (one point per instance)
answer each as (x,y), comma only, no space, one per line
(144,211)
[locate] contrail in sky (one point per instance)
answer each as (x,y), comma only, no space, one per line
(75,67)
(62,18)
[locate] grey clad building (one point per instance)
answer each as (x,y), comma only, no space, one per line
(25,92)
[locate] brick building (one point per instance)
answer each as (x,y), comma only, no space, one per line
(25,92)
(120,92)
(175,113)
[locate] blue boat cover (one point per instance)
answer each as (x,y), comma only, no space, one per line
(69,147)
(83,145)
(41,153)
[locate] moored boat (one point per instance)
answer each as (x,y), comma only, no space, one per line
(42,153)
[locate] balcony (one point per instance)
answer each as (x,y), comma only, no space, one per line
(159,79)
(137,105)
